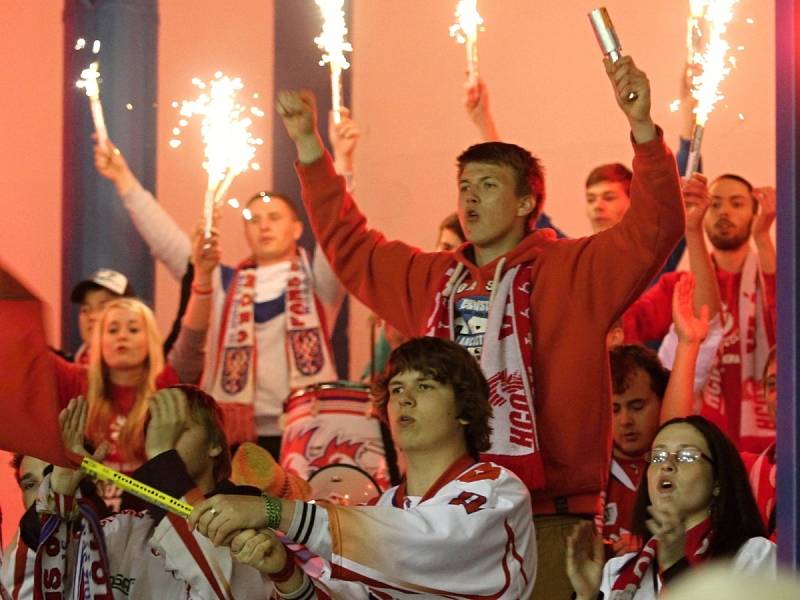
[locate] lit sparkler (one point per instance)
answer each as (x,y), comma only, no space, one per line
(333,45)
(229,145)
(90,83)
(465,31)
(714,67)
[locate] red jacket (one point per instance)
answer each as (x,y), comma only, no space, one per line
(580,288)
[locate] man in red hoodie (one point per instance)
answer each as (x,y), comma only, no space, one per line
(533,309)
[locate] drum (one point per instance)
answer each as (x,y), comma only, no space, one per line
(345,485)
(333,423)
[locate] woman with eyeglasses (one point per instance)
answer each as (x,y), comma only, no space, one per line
(695,505)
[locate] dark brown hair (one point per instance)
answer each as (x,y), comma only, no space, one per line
(527,169)
(614,172)
(627,359)
(449,364)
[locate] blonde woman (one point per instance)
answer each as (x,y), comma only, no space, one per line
(127,365)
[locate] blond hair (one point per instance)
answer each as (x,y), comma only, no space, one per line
(131,436)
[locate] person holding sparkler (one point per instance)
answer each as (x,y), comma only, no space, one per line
(149,553)
(561,297)
(287,343)
(733,215)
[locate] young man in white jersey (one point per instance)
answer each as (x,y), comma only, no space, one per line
(450,515)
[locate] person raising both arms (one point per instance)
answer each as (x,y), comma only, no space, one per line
(527,306)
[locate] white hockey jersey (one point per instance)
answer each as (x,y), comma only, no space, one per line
(470,536)
(147,559)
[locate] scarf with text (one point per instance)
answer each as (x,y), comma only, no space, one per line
(630,576)
(90,578)
(233,381)
(506,362)
(733,397)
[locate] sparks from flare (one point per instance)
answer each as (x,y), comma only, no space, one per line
(229,145)
(333,45)
(713,62)
(465,31)
(714,67)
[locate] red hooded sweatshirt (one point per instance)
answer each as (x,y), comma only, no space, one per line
(580,288)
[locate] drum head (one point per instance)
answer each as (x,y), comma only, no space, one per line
(345,485)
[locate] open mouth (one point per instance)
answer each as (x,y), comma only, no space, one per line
(472,216)
(665,485)
(404,421)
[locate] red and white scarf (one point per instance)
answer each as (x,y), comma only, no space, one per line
(90,574)
(630,576)
(507,363)
(733,398)
(233,381)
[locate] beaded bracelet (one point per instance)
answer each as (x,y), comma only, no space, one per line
(273,508)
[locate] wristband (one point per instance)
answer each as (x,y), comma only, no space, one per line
(273,509)
(201,291)
(287,570)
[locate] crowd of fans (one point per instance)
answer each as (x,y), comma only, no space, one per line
(570,416)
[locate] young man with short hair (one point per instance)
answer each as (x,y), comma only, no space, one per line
(608,189)
(530,306)
(452,515)
(745,281)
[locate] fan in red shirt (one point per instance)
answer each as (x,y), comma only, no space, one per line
(732,398)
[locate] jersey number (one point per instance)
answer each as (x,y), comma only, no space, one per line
(470,501)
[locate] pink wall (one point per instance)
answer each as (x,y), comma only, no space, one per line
(548,88)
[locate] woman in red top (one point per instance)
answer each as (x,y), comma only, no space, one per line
(127,363)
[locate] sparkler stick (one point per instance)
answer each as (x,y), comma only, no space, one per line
(135,487)
(714,69)
(333,45)
(229,146)
(465,31)
(89,82)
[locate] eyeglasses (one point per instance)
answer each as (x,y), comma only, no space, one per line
(682,456)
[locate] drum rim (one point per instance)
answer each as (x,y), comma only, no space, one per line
(340,384)
(356,467)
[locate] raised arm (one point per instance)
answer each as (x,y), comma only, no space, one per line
(381,274)
(761,226)
(188,354)
(476,103)
(618,264)
(167,242)
(706,290)
(691,331)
